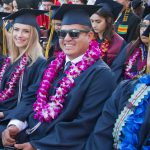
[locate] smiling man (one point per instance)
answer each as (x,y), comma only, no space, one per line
(70,97)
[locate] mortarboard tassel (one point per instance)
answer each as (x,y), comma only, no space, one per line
(4,41)
(51,27)
(49,42)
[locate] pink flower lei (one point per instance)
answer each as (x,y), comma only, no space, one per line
(128,74)
(15,76)
(47,109)
(4,67)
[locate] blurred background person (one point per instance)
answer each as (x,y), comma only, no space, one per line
(127,22)
(110,43)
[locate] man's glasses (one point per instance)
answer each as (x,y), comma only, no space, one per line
(74,34)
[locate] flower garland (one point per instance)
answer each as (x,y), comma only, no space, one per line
(104,47)
(139,52)
(130,120)
(4,67)
(15,76)
(47,109)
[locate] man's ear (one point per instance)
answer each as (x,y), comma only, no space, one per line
(91,35)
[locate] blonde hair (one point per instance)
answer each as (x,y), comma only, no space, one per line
(33,49)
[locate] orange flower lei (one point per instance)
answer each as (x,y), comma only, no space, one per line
(104,47)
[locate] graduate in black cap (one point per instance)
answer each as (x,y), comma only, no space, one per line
(52,47)
(65,116)
(136,54)
(19,72)
(110,42)
(127,22)
(124,123)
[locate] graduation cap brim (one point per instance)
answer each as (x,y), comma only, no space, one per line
(23,11)
(26,16)
(147,32)
(75,14)
(3,14)
(112,6)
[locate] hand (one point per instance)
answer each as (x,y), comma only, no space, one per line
(1,115)
(8,135)
(24,146)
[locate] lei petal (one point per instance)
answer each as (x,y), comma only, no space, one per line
(14,78)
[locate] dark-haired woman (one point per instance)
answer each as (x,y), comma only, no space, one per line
(134,55)
(110,42)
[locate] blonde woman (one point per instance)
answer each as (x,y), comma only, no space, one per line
(19,73)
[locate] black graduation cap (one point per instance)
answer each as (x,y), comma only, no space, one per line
(110,6)
(147,32)
(7,1)
(26,16)
(3,14)
(54,9)
(75,14)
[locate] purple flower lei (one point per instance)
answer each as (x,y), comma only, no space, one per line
(46,109)
(15,76)
(4,67)
(139,51)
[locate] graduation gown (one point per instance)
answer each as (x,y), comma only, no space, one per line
(127,29)
(2,58)
(30,77)
(105,124)
(82,106)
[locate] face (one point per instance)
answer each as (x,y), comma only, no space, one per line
(143,27)
(8,8)
(74,47)
(21,35)
(98,23)
(47,5)
(57,24)
(15,7)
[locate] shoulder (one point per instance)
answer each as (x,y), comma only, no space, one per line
(125,89)
(100,64)
(133,17)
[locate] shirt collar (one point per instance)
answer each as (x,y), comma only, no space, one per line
(74,61)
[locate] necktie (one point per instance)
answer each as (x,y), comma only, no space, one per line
(67,66)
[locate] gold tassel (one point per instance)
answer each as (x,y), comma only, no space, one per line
(51,27)
(50,19)
(49,42)
(4,41)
